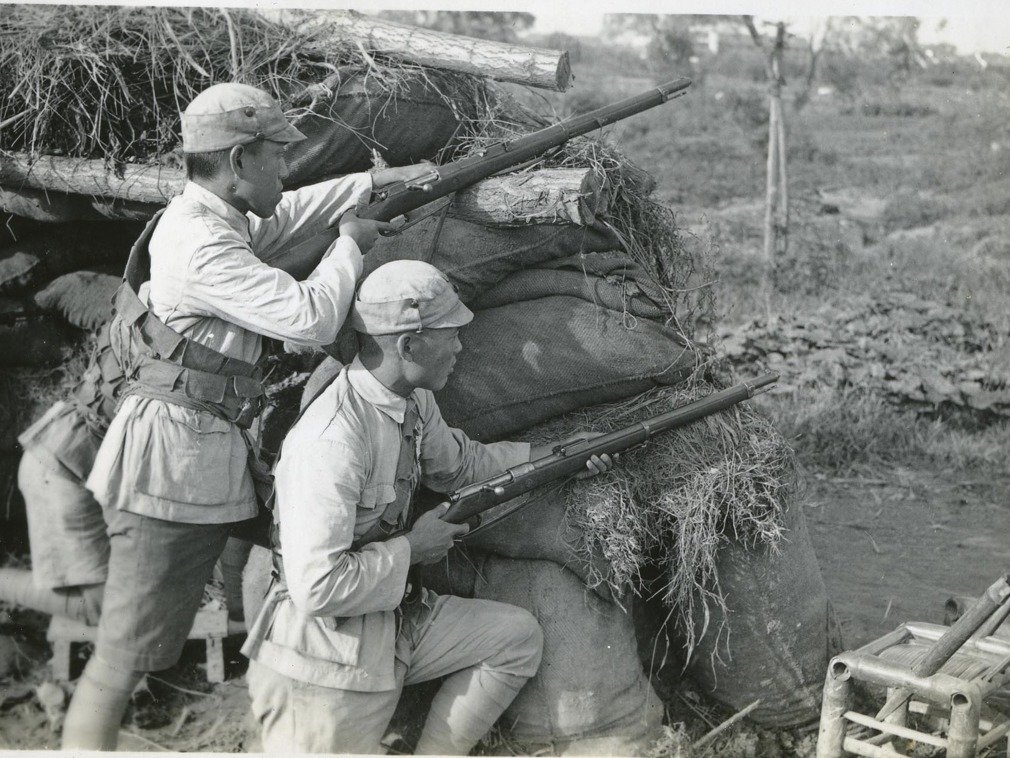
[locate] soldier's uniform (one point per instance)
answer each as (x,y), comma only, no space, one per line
(334,644)
(172,473)
(65,525)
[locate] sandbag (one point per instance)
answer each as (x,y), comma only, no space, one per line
(406,126)
(35,260)
(83,298)
(607,707)
(527,362)
(622,286)
(30,338)
(540,530)
(476,257)
(780,631)
(473,257)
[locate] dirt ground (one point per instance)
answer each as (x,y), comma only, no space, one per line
(894,550)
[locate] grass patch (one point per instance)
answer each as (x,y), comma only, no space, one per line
(845,432)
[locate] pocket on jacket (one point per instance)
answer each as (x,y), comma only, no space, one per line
(377,494)
(325,639)
(191,457)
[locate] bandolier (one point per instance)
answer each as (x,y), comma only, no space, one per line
(160,363)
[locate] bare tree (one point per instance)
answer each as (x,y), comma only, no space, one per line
(776,232)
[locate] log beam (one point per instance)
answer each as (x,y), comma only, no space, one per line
(69,189)
(533,67)
(549,196)
(148,183)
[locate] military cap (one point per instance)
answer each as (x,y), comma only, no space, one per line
(407,296)
(229,114)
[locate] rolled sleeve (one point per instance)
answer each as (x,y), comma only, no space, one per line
(450,459)
(318,489)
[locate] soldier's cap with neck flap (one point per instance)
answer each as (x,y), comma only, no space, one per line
(229,114)
(407,296)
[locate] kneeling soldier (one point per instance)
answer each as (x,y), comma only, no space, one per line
(339,634)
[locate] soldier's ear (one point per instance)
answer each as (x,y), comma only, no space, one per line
(405,347)
(235,159)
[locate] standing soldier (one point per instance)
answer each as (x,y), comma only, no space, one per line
(339,634)
(172,474)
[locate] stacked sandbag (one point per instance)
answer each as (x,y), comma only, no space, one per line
(773,639)
(353,114)
(569,707)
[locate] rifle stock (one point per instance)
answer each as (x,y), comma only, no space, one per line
(400,198)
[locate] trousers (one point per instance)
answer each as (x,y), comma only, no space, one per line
(446,635)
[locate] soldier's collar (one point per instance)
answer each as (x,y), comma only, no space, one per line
(229,213)
(375,392)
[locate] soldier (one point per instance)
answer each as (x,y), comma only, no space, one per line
(337,639)
(173,472)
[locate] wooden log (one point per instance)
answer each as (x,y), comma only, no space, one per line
(148,183)
(534,67)
(549,196)
(559,195)
(60,207)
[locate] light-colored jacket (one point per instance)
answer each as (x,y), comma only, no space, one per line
(332,621)
(211,281)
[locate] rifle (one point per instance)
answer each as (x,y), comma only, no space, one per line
(400,198)
(470,502)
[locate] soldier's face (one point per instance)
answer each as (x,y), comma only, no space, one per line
(262,174)
(433,356)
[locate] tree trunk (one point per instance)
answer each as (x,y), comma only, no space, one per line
(772,180)
(534,67)
(54,188)
(549,196)
(782,222)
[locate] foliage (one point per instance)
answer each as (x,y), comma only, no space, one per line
(923,355)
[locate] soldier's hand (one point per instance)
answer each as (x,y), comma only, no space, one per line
(597,464)
(417,175)
(431,538)
(363,231)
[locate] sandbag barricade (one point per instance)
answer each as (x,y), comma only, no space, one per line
(572,706)
(526,362)
(779,634)
(357,115)
(476,258)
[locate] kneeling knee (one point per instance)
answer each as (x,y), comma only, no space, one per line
(527,641)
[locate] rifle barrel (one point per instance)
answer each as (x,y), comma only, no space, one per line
(564,461)
(399,198)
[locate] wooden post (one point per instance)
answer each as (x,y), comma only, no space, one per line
(534,67)
(776,226)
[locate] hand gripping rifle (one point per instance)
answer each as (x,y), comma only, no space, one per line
(400,198)
(566,460)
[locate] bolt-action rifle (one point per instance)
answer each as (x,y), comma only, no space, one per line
(400,198)
(468,503)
